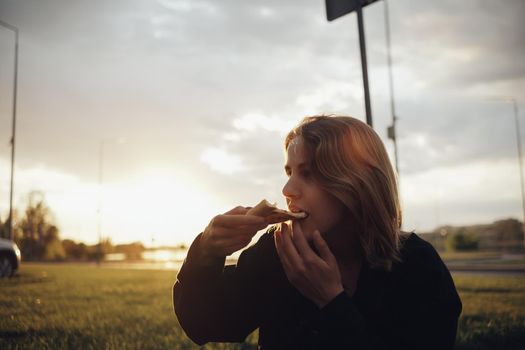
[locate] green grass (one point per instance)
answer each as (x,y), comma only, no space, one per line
(469,256)
(493,314)
(84,307)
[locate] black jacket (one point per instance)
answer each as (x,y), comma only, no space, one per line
(415,306)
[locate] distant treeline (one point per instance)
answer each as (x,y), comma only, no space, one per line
(502,235)
(39,238)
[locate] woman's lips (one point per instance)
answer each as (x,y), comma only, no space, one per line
(295,209)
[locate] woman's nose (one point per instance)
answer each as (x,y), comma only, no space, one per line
(290,189)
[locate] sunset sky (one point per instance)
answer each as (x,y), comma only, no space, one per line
(191,100)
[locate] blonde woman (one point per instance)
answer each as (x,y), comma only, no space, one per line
(345,277)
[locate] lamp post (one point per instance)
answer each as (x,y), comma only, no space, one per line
(391,130)
(338,8)
(13,130)
(100,181)
(520,161)
(512,100)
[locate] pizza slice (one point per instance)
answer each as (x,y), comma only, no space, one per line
(274,215)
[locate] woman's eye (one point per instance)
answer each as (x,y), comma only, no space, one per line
(306,174)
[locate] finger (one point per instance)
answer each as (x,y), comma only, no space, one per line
(221,236)
(238,210)
(289,249)
(224,234)
(243,229)
(249,230)
(303,248)
(241,233)
(231,244)
(278,238)
(277,241)
(231,240)
(234,246)
(322,247)
(234,221)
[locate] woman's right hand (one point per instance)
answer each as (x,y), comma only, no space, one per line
(230,232)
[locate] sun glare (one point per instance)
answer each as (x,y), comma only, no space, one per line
(221,161)
(157,207)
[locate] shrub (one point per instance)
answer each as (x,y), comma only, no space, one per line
(461,241)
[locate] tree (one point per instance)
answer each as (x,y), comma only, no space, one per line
(2,225)
(36,234)
(75,251)
(132,251)
(98,251)
(461,240)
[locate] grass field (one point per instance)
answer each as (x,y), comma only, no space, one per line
(468,256)
(84,307)
(484,257)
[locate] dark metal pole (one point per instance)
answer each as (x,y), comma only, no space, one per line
(512,100)
(391,85)
(100,183)
(518,144)
(362,47)
(13,131)
(99,211)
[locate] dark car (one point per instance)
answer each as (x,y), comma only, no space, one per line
(9,258)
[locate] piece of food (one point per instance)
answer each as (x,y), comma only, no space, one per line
(274,215)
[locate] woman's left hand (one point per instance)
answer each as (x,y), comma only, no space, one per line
(316,277)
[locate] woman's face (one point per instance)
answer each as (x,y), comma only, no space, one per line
(303,193)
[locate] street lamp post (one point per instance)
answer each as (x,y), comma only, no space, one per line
(391,129)
(338,8)
(514,103)
(520,161)
(99,219)
(100,181)
(13,130)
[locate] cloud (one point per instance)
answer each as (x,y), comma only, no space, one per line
(254,121)
(204,86)
(221,161)
(457,45)
(475,192)
(73,203)
(455,132)
(185,7)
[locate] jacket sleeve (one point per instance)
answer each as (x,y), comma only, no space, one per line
(423,315)
(214,303)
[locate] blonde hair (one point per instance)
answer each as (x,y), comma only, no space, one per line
(350,162)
